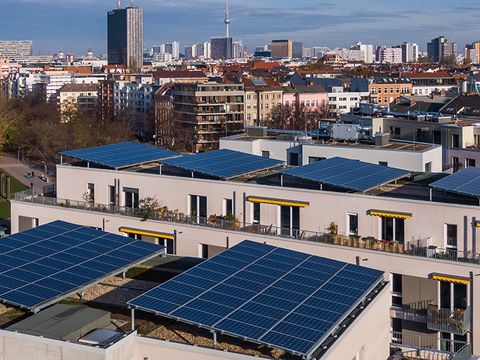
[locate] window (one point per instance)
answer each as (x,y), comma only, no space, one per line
(393,229)
(198,208)
(451,236)
(256,213)
(168,243)
(266,154)
(131,198)
(290,220)
(91,192)
(227,207)
(455,141)
(469,163)
(383,163)
(352,224)
(314,159)
(428,167)
(112,196)
(455,163)
(294,159)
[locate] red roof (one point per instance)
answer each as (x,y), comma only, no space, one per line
(440,74)
(179,74)
(265,65)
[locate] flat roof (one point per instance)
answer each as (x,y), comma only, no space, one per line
(122,155)
(264,294)
(46,264)
(223,164)
(347,174)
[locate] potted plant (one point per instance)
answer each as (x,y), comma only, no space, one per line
(148,207)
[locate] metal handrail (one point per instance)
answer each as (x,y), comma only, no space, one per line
(367,243)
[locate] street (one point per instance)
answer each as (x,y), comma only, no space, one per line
(10,164)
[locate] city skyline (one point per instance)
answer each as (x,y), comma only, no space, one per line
(323,23)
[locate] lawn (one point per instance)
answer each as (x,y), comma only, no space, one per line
(15,187)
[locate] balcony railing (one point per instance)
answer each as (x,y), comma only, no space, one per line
(416,312)
(425,347)
(368,243)
(456,321)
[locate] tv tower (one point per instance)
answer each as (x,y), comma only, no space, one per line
(227,21)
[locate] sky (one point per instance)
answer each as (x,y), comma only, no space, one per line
(77,25)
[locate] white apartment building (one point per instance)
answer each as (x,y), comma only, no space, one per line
(341,101)
(14,49)
(135,98)
(410,52)
(424,240)
(301,150)
(389,55)
(368,51)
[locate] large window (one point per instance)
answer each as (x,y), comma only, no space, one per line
(227,207)
(112,196)
(256,213)
(198,208)
(352,224)
(451,236)
(393,229)
(290,220)
(91,192)
(131,198)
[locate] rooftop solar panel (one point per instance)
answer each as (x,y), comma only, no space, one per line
(268,295)
(118,156)
(45,264)
(465,182)
(347,174)
(224,164)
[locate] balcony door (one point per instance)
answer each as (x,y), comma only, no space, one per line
(198,208)
(289,221)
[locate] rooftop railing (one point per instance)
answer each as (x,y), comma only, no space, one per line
(368,243)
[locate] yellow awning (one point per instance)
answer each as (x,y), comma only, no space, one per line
(393,214)
(452,279)
(154,234)
(282,202)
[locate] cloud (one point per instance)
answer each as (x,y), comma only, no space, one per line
(76,25)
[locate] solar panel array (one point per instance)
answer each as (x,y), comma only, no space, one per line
(268,295)
(224,164)
(466,182)
(54,260)
(121,155)
(347,174)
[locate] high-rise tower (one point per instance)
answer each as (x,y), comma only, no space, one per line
(125,37)
(227,21)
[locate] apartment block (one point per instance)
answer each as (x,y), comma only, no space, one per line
(209,111)
(421,236)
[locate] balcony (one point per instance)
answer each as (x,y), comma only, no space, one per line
(367,243)
(429,348)
(456,321)
(416,312)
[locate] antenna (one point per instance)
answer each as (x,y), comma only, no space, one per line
(118,5)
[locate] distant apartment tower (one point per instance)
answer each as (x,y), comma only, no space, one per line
(410,52)
(207,112)
(204,50)
(125,37)
(14,49)
(222,48)
(238,49)
(440,49)
(388,55)
(368,51)
(172,48)
(472,53)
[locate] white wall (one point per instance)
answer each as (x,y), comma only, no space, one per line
(407,160)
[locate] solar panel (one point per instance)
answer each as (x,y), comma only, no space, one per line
(45,264)
(224,164)
(465,182)
(347,174)
(268,295)
(121,155)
